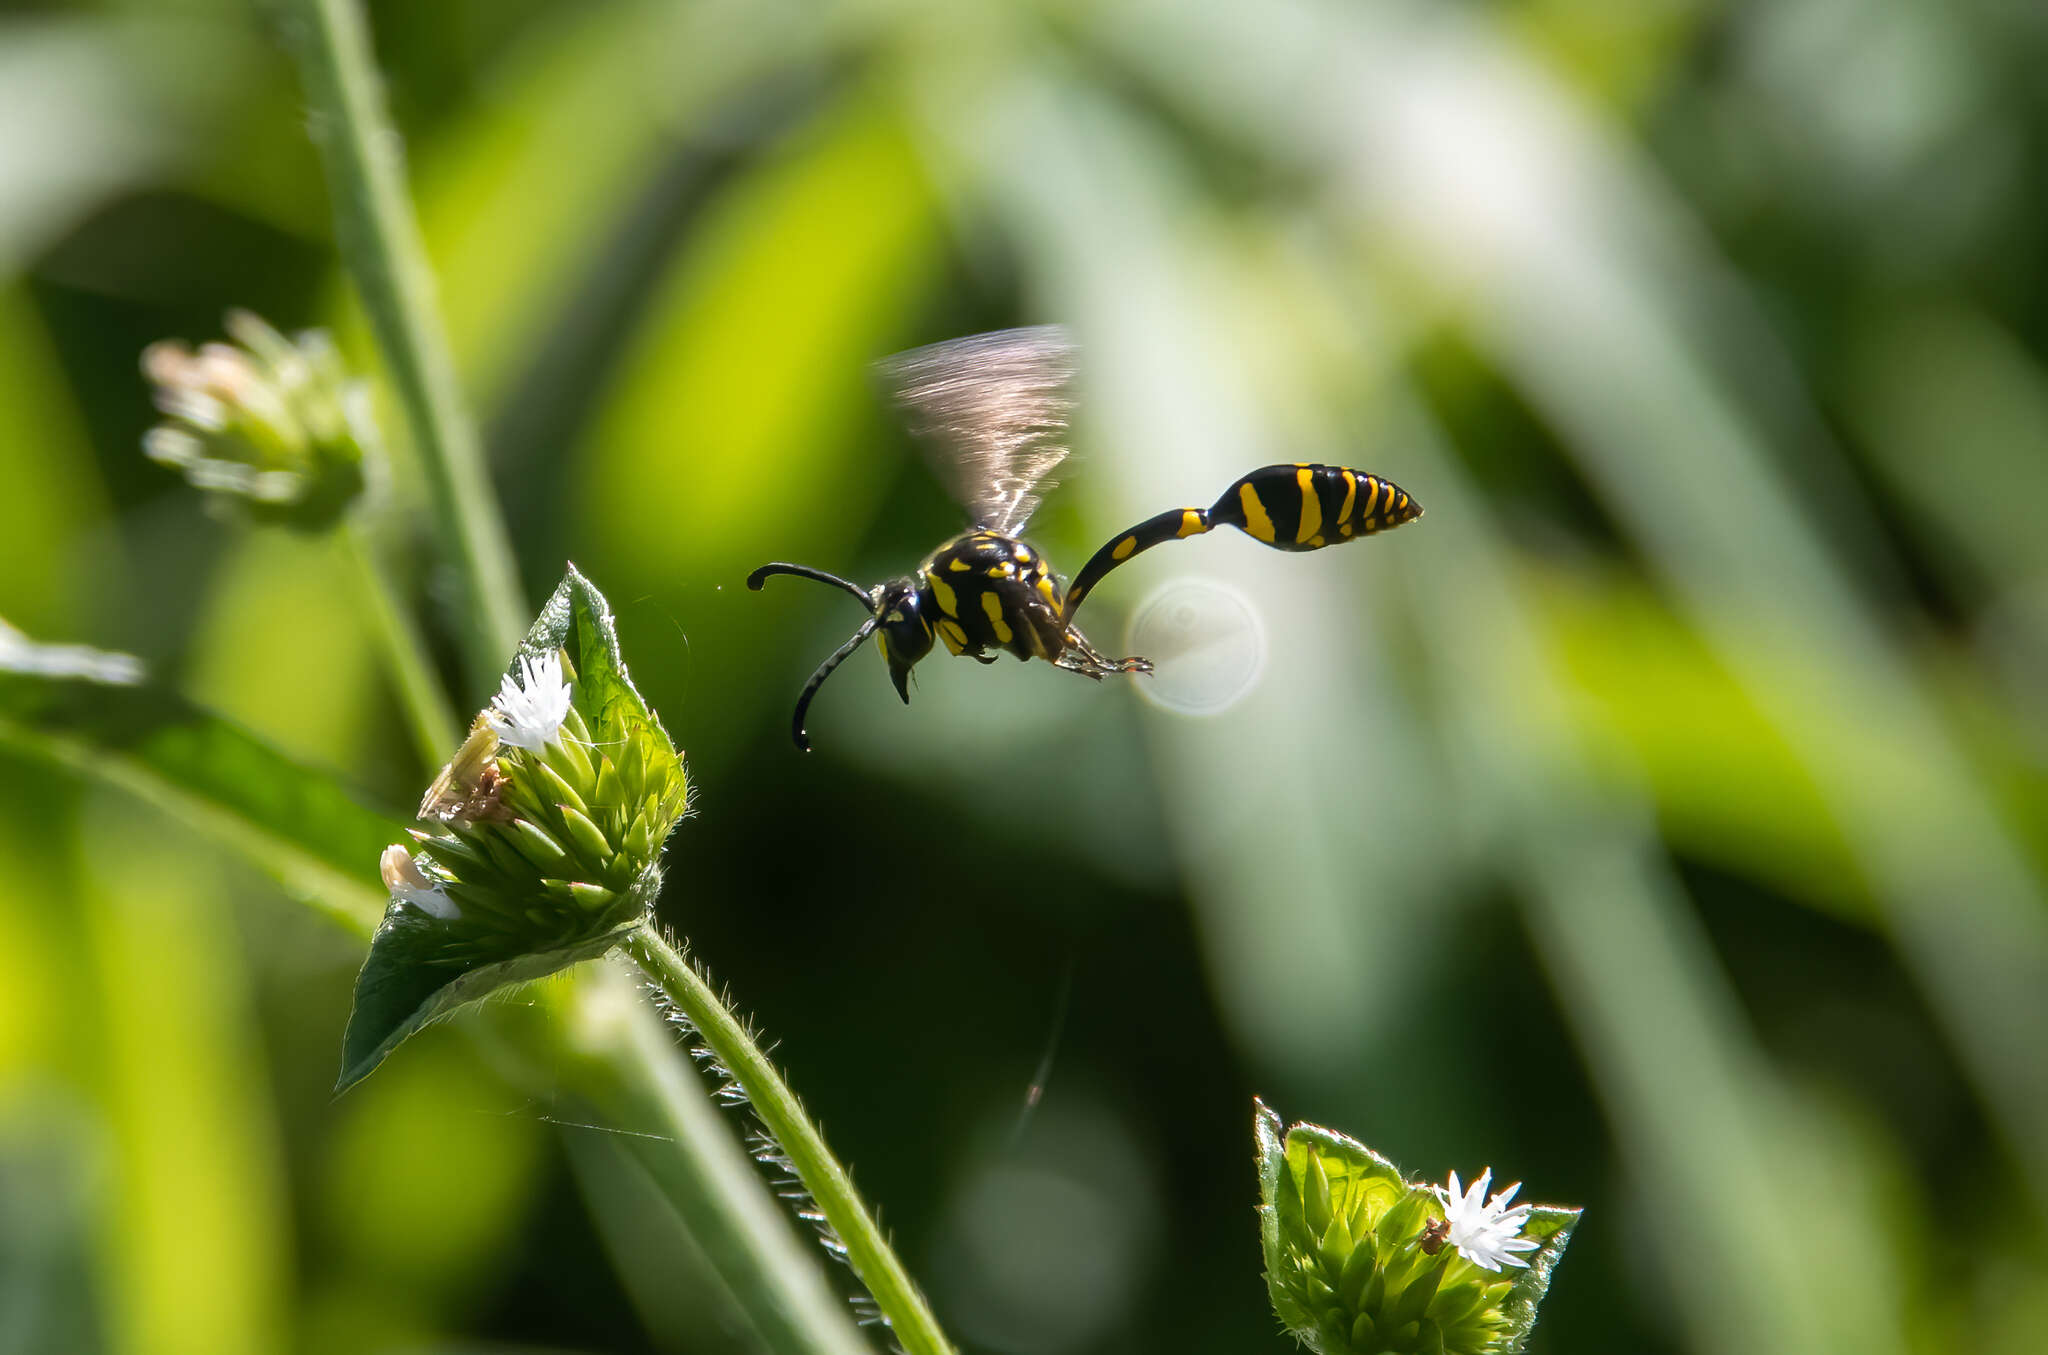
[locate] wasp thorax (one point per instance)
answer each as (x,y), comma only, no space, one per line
(902,631)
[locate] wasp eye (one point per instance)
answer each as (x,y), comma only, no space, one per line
(905,637)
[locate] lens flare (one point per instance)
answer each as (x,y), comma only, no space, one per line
(1206,643)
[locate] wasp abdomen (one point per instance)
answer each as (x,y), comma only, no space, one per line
(1306,507)
(1289,507)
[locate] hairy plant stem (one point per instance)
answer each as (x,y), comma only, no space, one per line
(435,732)
(828,1182)
(380,242)
(622,1061)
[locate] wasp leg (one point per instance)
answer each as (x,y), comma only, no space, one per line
(1081,657)
(1042,634)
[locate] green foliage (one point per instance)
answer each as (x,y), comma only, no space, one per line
(544,856)
(1351,1270)
(292,819)
(1729,605)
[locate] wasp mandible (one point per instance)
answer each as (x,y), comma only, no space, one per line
(993,409)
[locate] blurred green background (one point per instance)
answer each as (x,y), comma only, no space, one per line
(1661,821)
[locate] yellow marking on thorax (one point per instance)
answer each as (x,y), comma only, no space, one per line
(1191,523)
(1124,548)
(1002,571)
(957,565)
(1047,591)
(1255,520)
(1311,506)
(1350,497)
(993,606)
(949,601)
(1020,552)
(955,638)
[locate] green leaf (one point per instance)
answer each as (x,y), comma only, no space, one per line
(1553,1226)
(293,820)
(410,980)
(578,619)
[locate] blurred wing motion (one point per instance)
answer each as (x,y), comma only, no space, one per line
(992,409)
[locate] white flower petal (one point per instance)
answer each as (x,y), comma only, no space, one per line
(1486,1232)
(529,713)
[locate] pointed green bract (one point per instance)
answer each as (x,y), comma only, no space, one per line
(1552,1225)
(1351,1265)
(535,857)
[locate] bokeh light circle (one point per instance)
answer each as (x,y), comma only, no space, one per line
(1206,643)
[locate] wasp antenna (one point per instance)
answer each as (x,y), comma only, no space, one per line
(760,576)
(803,701)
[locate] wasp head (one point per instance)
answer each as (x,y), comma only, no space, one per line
(901,631)
(896,618)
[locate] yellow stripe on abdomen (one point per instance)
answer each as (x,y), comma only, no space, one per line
(1256,521)
(1311,507)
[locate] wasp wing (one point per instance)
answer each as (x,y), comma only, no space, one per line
(992,410)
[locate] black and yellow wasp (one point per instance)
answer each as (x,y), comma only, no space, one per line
(994,408)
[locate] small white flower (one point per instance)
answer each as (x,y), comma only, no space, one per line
(529,714)
(1486,1232)
(409,884)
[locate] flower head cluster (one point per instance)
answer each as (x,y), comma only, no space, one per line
(1486,1232)
(268,422)
(541,839)
(539,827)
(1361,1261)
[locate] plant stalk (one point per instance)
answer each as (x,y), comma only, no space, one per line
(435,732)
(622,1061)
(830,1186)
(380,243)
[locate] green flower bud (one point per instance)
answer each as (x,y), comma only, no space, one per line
(1361,1261)
(544,835)
(270,423)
